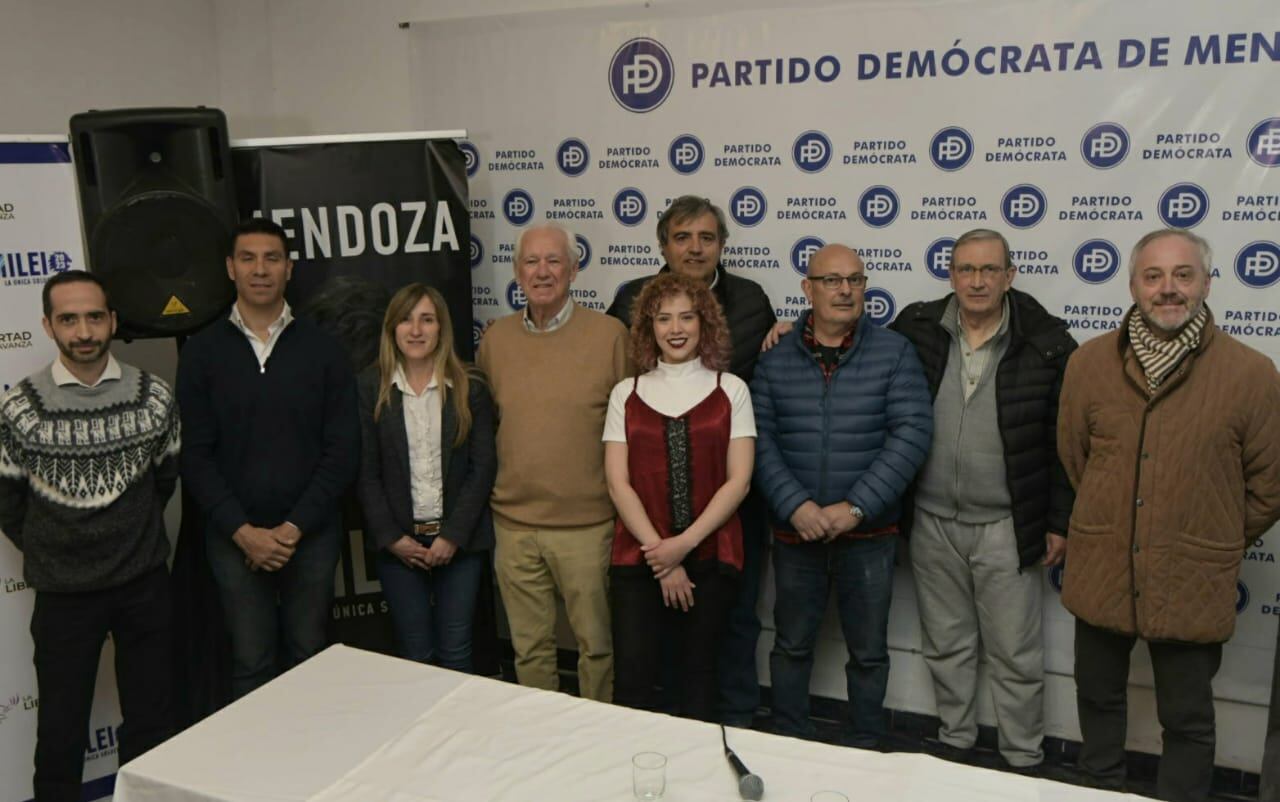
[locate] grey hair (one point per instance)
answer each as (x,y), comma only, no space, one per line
(570,241)
(1202,245)
(981,235)
(691,207)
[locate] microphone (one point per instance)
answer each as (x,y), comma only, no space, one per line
(749,785)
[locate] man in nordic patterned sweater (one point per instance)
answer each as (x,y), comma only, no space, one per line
(88,460)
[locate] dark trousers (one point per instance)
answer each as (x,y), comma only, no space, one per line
(643,626)
(1269,788)
(1184,705)
(433,611)
(861,572)
(68,630)
(276,619)
(739,684)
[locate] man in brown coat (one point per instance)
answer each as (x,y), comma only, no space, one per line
(1169,431)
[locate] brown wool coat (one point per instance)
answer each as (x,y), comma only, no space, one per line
(1170,488)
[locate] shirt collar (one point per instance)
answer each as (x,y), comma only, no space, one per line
(558,320)
(401,383)
(63,377)
(951,318)
(286,317)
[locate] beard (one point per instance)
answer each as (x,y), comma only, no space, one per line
(68,350)
(1172,326)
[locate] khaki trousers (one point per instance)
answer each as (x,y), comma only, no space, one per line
(533,566)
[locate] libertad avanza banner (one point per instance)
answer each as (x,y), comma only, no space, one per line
(39,237)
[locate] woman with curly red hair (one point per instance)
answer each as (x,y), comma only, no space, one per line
(679,448)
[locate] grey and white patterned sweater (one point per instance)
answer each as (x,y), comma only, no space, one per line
(85,473)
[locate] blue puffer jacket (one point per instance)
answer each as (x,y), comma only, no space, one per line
(859,439)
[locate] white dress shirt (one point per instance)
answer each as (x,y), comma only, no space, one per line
(63,377)
(262,349)
(422,413)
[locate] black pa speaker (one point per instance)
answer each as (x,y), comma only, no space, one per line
(158,205)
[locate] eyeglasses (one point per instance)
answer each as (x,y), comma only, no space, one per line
(833,282)
(986,271)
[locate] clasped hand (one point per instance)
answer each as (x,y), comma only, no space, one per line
(813,523)
(666,555)
(267,549)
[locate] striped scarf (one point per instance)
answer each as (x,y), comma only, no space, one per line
(1159,357)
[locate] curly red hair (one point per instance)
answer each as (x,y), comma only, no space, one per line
(713,338)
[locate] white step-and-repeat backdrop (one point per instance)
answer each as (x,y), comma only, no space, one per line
(39,236)
(1073,127)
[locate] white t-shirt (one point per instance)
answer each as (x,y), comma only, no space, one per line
(675,389)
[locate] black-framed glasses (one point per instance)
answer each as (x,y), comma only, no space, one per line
(833,282)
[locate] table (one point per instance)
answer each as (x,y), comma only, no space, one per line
(355,725)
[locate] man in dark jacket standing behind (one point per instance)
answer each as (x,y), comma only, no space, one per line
(691,234)
(992,500)
(1170,433)
(843,424)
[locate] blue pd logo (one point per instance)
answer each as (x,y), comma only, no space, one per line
(584,251)
(59,261)
(937,258)
(811,151)
(477,331)
(1258,264)
(515,296)
(517,206)
(1263,142)
(1242,596)
(879,306)
(878,206)
(641,75)
(470,157)
(1105,145)
(1183,205)
(951,148)
(629,206)
(572,157)
(802,251)
(1096,261)
(685,154)
(748,206)
(1023,206)
(477,251)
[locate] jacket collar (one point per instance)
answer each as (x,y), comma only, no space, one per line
(796,335)
(1028,320)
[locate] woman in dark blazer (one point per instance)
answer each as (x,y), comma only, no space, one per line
(427,470)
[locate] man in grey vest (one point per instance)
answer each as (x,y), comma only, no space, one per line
(993,500)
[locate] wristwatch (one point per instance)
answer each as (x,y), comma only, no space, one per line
(857,512)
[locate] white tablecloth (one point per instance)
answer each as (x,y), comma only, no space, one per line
(353,725)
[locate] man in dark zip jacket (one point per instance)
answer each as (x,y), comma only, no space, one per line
(993,499)
(269,402)
(843,424)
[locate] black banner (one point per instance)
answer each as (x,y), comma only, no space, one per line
(365,219)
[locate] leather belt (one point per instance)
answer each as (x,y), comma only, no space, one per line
(426,527)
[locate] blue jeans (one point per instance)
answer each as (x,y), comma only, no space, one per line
(276,619)
(739,685)
(862,571)
(433,610)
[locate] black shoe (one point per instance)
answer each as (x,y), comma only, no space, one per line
(945,751)
(1076,776)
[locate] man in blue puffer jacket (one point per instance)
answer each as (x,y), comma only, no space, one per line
(844,421)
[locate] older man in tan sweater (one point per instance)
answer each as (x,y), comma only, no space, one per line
(551,368)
